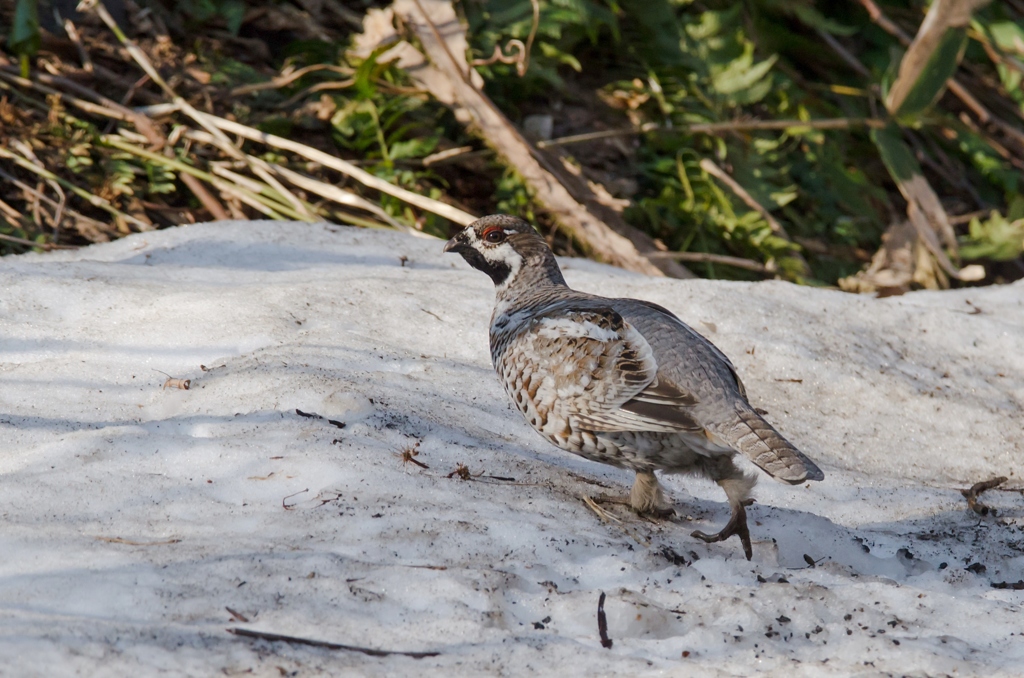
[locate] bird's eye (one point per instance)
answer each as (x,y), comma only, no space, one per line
(494,234)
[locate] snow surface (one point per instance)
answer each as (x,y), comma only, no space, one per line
(134,515)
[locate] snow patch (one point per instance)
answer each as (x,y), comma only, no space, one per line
(139,522)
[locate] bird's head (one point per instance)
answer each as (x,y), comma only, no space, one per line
(503,246)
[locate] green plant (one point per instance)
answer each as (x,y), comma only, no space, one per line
(669,66)
(25,39)
(198,12)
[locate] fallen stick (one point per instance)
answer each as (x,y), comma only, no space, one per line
(972,495)
(100,104)
(238,616)
(132,542)
(272,208)
(276,637)
(98,226)
(602,624)
(707,257)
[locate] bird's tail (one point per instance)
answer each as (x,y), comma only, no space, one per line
(763,445)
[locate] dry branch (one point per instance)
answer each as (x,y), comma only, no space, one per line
(362,176)
(844,54)
(143,61)
(32,243)
(338,195)
(100,105)
(288,77)
(111,109)
(716,128)
(276,637)
(133,542)
(971,495)
(708,257)
(93,200)
(450,80)
(97,226)
(602,624)
(275,209)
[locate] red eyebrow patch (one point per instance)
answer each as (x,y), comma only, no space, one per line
(489,234)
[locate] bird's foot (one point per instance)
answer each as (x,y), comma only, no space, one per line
(621,499)
(661,513)
(656,513)
(737,525)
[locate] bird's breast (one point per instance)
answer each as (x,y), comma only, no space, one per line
(541,395)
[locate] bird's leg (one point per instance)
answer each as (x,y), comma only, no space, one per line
(646,497)
(737,525)
(737,488)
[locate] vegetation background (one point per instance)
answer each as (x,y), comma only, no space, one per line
(877,146)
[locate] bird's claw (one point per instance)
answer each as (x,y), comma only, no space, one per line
(658,514)
(737,525)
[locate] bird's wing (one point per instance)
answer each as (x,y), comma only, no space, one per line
(691,363)
(694,334)
(660,407)
(602,371)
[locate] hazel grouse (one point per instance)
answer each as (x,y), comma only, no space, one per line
(620,381)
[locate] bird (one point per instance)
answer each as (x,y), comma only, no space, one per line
(621,381)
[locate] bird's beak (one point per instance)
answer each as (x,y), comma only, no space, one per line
(456,244)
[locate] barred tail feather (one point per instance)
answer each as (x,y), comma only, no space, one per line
(763,445)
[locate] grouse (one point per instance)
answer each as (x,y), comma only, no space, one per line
(620,381)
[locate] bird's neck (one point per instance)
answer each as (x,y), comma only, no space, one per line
(533,274)
(533,282)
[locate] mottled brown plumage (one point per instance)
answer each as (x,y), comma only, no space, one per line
(620,381)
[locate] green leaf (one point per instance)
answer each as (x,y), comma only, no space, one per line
(198,11)
(755,93)
(1008,35)
(783,198)
(810,16)
(656,30)
(711,23)
(896,155)
(986,160)
(25,39)
(921,83)
(413,148)
(233,12)
(367,72)
(552,52)
(997,238)
(1016,209)
(742,73)
(932,57)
